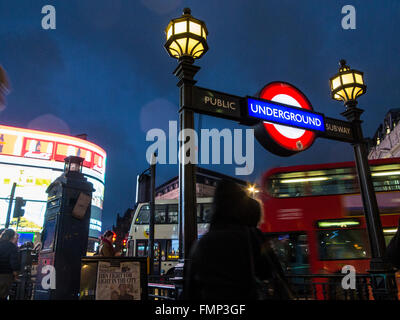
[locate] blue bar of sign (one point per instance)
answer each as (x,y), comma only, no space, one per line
(292,116)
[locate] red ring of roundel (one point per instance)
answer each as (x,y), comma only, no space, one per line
(268,93)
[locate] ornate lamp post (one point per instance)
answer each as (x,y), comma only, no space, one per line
(186,41)
(347,86)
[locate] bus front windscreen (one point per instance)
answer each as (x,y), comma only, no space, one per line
(342,244)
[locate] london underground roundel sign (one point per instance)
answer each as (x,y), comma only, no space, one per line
(280,139)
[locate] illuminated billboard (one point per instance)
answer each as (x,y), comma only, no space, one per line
(33,160)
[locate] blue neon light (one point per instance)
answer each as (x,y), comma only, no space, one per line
(269,111)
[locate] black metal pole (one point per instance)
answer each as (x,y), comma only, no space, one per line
(10,205)
(185,72)
(152,213)
(384,281)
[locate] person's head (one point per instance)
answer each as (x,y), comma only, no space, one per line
(230,203)
(108,235)
(9,235)
(251,216)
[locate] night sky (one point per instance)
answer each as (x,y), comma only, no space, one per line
(104,71)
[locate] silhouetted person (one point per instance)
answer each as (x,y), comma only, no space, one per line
(226,261)
(267,268)
(9,261)
(393,249)
(268,273)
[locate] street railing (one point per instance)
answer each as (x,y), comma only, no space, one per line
(304,287)
(329,287)
(162,288)
(23,287)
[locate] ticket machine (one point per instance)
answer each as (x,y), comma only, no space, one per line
(65,234)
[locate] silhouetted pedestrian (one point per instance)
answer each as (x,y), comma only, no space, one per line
(228,261)
(393,249)
(9,261)
(268,273)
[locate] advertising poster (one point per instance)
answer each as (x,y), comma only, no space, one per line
(81,206)
(10,144)
(33,159)
(118,282)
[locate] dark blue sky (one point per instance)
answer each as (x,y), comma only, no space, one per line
(104,70)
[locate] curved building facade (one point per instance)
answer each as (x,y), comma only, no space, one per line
(33,159)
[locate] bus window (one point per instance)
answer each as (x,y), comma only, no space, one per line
(172,213)
(131,244)
(198,211)
(343,244)
(207,212)
(292,251)
(312,183)
(141,248)
(388,234)
(160,214)
(330,181)
(156,250)
(204,213)
(143,215)
(173,249)
(383,183)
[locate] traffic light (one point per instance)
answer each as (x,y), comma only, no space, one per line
(18,208)
(143,188)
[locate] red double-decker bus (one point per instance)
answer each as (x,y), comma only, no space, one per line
(314,214)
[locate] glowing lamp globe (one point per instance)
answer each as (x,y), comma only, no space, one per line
(348,84)
(186,37)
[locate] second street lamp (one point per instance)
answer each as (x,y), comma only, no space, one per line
(186,41)
(347,86)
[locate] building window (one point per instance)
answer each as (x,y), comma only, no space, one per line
(172,213)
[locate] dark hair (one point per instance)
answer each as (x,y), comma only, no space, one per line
(108,233)
(252,214)
(7,235)
(230,203)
